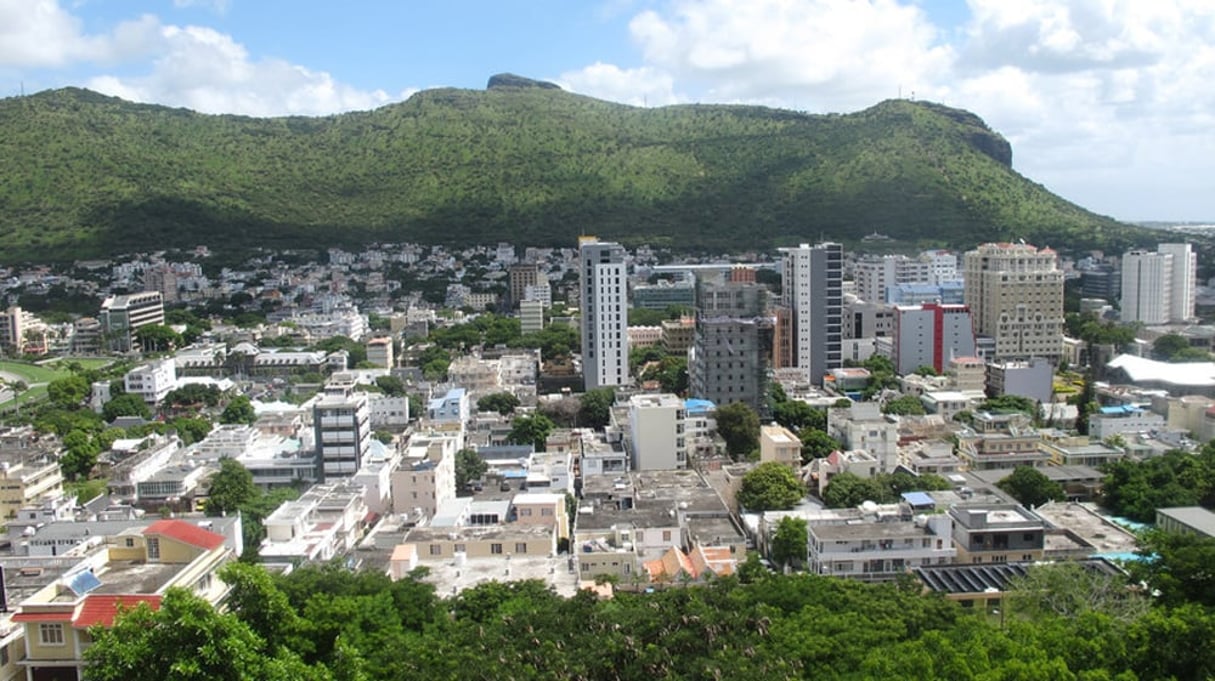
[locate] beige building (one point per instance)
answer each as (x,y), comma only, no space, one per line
(777,443)
(379,352)
(484,541)
(27,481)
(426,477)
(1015,294)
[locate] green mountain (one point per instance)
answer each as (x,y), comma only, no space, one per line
(83,174)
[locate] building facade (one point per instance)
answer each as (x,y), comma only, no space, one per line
(604,301)
(728,361)
(121,316)
(1015,294)
(813,280)
(343,434)
(931,335)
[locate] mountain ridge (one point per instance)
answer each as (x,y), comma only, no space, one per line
(85,174)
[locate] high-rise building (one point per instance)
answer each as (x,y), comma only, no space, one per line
(657,437)
(1147,287)
(931,335)
(342,421)
(812,293)
(1185,281)
(1015,294)
(121,316)
(604,297)
(728,361)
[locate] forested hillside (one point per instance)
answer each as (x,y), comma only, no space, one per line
(84,174)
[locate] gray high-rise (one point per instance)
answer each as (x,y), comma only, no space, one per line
(728,361)
(811,330)
(604,297)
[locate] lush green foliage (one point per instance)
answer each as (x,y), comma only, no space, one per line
(323,622)
(816,444)
(469,466)
(790,542)
(770,486)
(738,425)
(1135,489)
(1004,404)
(239,410)
(530,429)
(848,489)
(231,488)
(595,407)
(1030,486)
(86,174)
(128,404)
(904,405)
(504,403)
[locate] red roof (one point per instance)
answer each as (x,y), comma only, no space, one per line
(102,609)
(42,617)
(186,533)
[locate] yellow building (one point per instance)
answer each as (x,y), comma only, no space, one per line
(131,568)
(27,481)
(777,443)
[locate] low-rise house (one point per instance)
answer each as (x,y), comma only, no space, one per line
(880,550)
(1110,421)
(325,522)
(1186,520)
(997,533)
(779,444)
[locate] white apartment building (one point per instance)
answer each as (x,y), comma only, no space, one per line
(1015,294)
(880,550)
(657,437)
(152,381)
(779,444)
(531,316)
(425,479)
(1159,287)
(812,294)
(604,301)
(931,335)
(121,316)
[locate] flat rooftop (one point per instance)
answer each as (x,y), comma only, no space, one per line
(450,579)
(868,530)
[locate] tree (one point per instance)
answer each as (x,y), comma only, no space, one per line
(231,488)
(68,392)
(530,430)
(1178,566)
(790,542)
(1030,486)
(1086,403)
(157,338)
(1003,404)
(469,466)
(595,407)
(1071,589)
(503,402)
(770,486)
(797,415)
(848,489)
(816,444)
(384,437)
(80,455)
(129,404)
(1168,346)
(185,640)
(904,405)
(738,425)
(391,385)
(191,430)
(925,370)
(239,410)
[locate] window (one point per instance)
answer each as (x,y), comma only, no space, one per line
(1028,536)
(461,548)
(546,512)
(153,548)
(525,512)
(495,549)
(50,634)
(666,535)
(130,542)
(436,550)
(520,547)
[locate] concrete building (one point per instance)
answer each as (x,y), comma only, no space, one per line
(666,293)
(729,359)
(531,316)
(997,533)
(948,293)
(121,316)
(604,303)
(342,424)
(812,295)
(1186,520)
(863,427)
(27,479)
(452,407)
(874,550)
(324,523)
(21,331)
(380,352)
(1184,288)
(1147,287)
(931,335)
(1015,293)
(866,320)
(426,477)
(1118,420)
(777,443)
(524,276)
(657,432)
(152,381)
(678,335)
(1033,379)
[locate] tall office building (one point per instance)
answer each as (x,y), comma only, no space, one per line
(810,329)
(728,361)
(1147,287)
(1185,281)
(122,316)
(525,276)
(1015,294)
(605,315)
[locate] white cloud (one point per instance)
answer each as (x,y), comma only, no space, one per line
(217,6)
(643,86)
(205,70)
(39,33)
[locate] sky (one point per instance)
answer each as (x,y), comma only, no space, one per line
(1108,103)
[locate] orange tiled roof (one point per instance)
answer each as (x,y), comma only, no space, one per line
(185,532)
(102,609)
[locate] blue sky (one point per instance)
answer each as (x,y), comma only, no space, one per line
(1106,102)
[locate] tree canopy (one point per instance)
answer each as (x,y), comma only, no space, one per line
(770,486)
(738,425)
(1030,486)
(504,403)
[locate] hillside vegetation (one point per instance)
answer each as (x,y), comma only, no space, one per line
(85,174)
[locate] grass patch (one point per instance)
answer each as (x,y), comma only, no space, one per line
(30,373)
